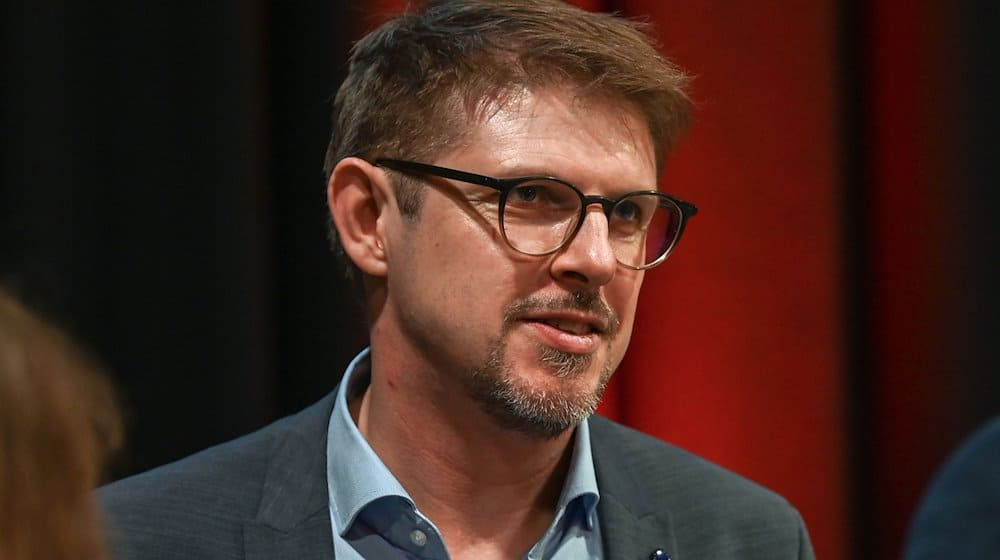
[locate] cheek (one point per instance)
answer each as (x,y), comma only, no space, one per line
(455,270)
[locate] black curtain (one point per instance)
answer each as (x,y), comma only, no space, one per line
(163,200)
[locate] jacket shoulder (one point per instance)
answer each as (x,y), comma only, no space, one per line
(712,511)
(198,506)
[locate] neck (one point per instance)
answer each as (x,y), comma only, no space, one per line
(460,467)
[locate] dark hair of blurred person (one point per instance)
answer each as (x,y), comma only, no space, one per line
(59,422)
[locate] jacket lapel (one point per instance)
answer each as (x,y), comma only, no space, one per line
(628,537)
(632,528)
(293,519)
(310,540)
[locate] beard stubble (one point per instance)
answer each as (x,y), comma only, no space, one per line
(513,403)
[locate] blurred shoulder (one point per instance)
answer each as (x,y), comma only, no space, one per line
(960,514)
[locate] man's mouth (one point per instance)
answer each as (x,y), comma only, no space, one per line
(574,327)
(572,335)
(574,323)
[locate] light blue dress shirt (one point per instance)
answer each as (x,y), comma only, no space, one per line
(372,516)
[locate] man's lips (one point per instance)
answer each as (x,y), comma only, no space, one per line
(572,335)
(571,322)
(575,322)
(574,327)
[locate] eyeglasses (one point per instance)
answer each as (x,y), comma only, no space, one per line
(540,215)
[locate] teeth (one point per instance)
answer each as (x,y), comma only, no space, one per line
(570,326)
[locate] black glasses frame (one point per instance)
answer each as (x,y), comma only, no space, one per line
(505,186)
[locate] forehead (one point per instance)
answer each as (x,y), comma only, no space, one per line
(583,139)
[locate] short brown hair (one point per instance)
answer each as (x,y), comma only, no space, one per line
(415,84)
(59,421)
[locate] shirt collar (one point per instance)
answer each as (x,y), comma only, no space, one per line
(356,476)
(581,480)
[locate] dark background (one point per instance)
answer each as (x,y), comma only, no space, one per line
(162,199)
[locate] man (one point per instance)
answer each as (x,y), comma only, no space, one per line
(492,179)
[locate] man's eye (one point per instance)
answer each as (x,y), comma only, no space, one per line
(526,193)
(544,196)
(628,211)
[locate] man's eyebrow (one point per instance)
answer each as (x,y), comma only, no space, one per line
(527,169)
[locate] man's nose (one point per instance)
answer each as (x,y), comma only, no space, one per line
(588,258)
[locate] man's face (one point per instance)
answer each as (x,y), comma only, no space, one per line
(532,339)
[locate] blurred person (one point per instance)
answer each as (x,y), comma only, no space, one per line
(59,422)
(492,182)
(959,518)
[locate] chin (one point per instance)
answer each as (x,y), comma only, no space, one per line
(543,399)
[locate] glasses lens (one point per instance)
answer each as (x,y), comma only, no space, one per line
(644,228)
(538,215)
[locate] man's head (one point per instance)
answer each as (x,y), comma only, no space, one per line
(417,85)
(459,297)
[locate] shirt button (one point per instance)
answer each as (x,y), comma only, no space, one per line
(418,537)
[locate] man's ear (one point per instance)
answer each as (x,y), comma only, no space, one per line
(357,195)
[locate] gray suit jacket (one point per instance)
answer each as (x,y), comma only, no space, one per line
(264,496)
